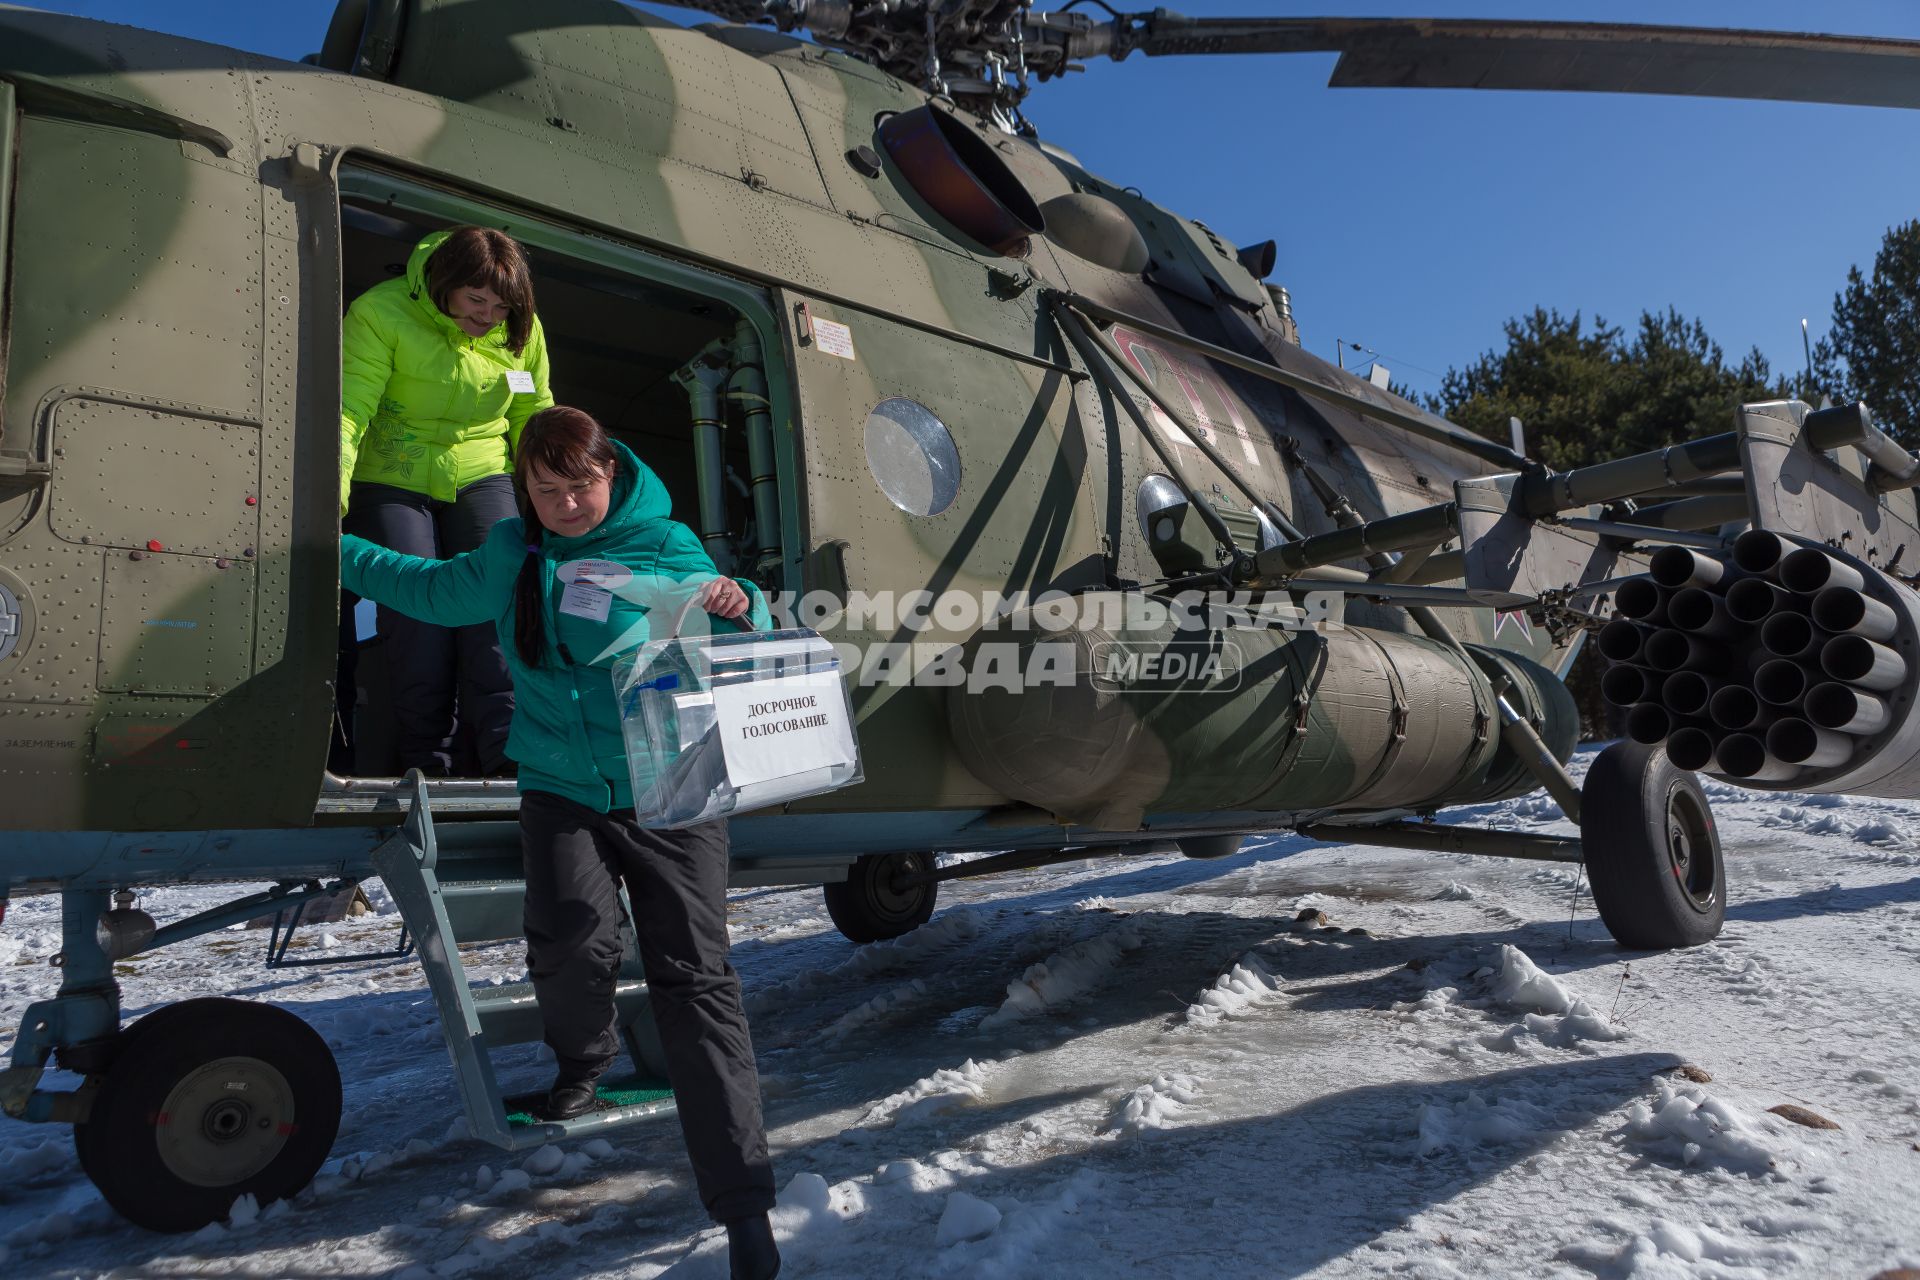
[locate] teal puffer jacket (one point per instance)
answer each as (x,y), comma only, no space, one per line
(566,727)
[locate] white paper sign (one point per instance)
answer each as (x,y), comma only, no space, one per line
(777,728)
(834,338)
(520,382)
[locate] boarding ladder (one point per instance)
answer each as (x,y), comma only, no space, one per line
(468,895)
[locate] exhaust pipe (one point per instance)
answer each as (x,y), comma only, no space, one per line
(1736,707)
(1845,709)
(1754,600)
(1795,741)
(1686,693)
(1692,749)
(1745,757)
(1809,571)
(1858,660)
(1781,682)
(1670,650)
(1643,600)
(1849,611)
(1791,635)
(1759,552)
(1625,685)
(1700,612)
(1649,724)
(1677,567)
(1623,641)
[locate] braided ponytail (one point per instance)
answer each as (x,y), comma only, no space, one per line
(530,596)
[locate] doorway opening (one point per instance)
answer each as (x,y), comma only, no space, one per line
(670,359)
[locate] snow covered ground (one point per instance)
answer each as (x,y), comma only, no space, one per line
(1155,1067)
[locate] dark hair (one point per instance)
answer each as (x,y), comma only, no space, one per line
(565,442)
(482,258)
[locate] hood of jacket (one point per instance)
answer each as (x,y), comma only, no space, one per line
(417,290)
(638,498)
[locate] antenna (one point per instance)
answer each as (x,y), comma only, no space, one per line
(1806,345)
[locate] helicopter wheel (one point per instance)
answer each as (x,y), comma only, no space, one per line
(868,905)
(1652,853)
(207,1101)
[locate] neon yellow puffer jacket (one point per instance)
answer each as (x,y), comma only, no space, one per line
(422,405)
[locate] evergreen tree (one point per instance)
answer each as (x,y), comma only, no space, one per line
(1588,393)
(1873,351)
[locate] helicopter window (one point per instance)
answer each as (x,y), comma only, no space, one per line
(912,457)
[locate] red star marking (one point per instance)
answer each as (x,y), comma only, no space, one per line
(1519,619)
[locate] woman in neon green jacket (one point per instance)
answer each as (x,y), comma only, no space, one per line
(440,370)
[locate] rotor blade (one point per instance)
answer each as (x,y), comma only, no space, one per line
(1593,57)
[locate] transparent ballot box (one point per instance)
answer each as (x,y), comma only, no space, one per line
(723,724)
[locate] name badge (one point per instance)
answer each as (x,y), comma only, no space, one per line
(608,575)
(520,382)
(583,601)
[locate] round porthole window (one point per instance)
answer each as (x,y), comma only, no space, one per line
(912,456)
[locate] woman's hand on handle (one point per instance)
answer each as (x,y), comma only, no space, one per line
(723,598)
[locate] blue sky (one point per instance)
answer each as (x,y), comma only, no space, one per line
(1416,222)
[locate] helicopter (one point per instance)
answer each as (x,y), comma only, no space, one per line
(1109,562)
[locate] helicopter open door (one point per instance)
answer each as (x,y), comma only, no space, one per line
(671,359)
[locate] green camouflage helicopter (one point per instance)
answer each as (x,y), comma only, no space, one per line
(1109,561)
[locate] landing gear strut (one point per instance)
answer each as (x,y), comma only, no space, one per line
(1653,855)
(206,1101)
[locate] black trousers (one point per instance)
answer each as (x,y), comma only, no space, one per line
(429,664)
(677,883)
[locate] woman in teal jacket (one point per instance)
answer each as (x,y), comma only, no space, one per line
(440,370)
(573,583)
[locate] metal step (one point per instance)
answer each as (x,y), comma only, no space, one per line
(510,1014)
(468,891)
(451,797)
(483,910)
(521,1137)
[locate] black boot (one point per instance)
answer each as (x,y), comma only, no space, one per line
(751,1250)
(573,1093)
(569,1098)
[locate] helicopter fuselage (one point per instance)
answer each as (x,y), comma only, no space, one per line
(186,223)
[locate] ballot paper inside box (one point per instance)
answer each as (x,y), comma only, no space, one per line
(723,724)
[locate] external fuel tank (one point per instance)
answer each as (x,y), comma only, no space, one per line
(1170,713)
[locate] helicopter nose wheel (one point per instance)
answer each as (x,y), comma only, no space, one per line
(206,1101)
(873,903)
(1653,855)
